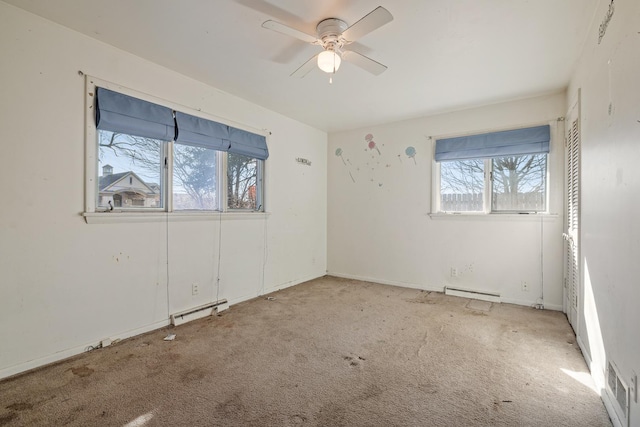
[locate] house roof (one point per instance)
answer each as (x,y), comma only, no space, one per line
(104,182)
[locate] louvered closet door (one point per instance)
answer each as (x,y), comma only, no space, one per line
(572,212)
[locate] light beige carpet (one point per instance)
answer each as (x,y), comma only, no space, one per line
(330,352)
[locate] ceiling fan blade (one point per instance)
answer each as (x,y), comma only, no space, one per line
(306,67)
(283,29)
(364,62)
(375,19)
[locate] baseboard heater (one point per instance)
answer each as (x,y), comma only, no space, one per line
(198,312)
(467,293)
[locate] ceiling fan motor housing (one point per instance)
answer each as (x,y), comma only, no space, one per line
(330,32)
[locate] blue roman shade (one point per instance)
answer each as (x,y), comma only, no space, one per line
(121,113)
(248,144)
(199,132)
(534,140)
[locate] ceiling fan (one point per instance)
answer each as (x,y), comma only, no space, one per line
(333,35)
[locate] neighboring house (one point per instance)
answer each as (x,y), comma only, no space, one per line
(126,189)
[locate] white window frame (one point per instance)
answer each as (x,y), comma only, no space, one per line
(487,192)
(92,214)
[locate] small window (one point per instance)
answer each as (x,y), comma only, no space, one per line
(519,183)
(195,179)
(130,171)
(462,186)
(243,186)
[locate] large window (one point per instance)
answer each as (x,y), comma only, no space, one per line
(152,158)
(499,172)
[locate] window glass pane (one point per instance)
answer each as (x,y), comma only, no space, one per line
(129,171)
(519,183)
(194,178)
(462,185)
(242,182)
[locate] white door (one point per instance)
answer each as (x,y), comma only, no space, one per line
(572,216)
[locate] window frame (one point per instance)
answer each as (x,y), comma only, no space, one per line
(487,201)
(93,213)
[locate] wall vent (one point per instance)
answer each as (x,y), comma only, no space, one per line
(619,392)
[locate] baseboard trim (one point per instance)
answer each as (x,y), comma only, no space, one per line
(387,282)
(434,288)
(271,289)
(74,351)
(554,307)
(600,385)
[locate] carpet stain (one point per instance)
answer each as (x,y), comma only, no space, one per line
(353,361)
(6,419)
(20,406)
(233,405)
(298,419)
(423,298)
(173,357)
(371,392)
(82,371)
(428,388)
(476,313)
(331,414)
(193,375)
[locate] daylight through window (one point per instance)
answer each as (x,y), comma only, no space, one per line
(497,172)
(142,165)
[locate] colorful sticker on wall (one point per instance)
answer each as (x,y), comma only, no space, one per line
(339,154)
(371,142)
(411,153)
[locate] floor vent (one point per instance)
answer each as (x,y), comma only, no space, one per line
(198,312)
(467,293)
(619,392)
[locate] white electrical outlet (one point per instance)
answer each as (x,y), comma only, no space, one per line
(454,272)
(525,286)
(194,289)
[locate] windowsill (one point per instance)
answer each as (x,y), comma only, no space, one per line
(138,217)
(495,216)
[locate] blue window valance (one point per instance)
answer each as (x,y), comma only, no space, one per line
(121,113)
(248,144)
(200,132)
(517,142)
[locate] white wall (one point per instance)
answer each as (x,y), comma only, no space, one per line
(608,73)
(66,284)
(379,229)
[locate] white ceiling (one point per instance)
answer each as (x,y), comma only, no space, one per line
(442,54)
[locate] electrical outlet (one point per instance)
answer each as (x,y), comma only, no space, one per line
(525,286)
(454,272)
(194,289)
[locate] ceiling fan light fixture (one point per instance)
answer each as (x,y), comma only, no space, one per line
(329,61)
